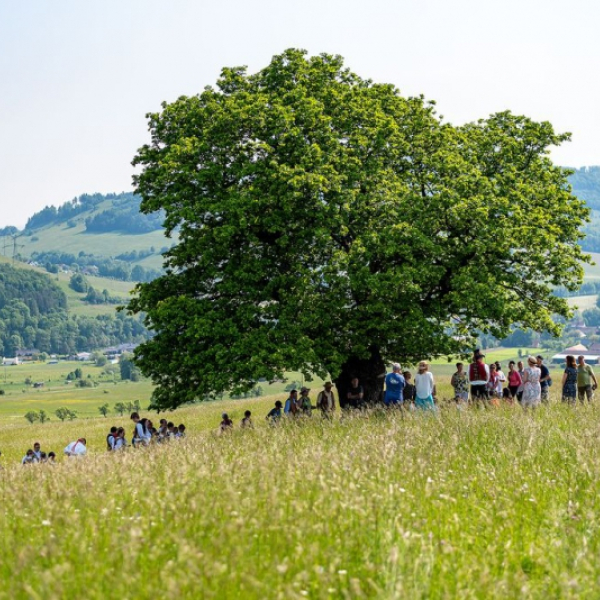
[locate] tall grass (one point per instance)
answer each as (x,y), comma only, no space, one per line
(469,504)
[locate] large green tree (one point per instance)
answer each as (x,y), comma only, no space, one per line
(328,224)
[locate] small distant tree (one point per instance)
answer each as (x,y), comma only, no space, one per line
(99,359)
(129,406)
(78,373)
(71,414)
(32,416)
(120,408)
(43,415)
(42,357)
(136,405)
(78,283)
(84,383)
(62,413)
(104,410)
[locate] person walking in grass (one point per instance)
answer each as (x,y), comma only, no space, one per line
(141,435)
(410,392)
(356,394)
(585,376)
(479,375)
(275,413)
(545,380)
(247,420)
(514,379)
(394,387)
(29,458)
(569,381)
(226,423)
(326,400)
(532,390)
(520,371)
(304,402)
(425,386)
(291,406)
(500,379)
(460,383)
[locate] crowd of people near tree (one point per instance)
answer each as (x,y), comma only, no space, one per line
(481,384)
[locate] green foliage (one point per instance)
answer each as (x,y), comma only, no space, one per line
(591,316)
(104,410)
(32,416)
(128,369)
(327,224)
(65,413)
(99,359)
(43,416)
(120,408)
(78,283)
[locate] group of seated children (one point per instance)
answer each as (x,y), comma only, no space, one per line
(38,456)
(144,433)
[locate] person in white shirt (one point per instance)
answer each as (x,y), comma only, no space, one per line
(29,458)
(77,448)
(141,433)
(425,386)
(500,379)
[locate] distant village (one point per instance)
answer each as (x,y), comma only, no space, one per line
(112,353)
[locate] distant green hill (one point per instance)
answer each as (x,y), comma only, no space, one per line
(104,234)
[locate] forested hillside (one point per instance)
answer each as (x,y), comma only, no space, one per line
(34,314)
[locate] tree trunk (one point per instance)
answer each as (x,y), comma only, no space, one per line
(370,373)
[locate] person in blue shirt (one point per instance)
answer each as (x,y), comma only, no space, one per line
(394,386)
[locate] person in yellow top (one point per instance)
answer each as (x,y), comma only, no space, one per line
(585,376)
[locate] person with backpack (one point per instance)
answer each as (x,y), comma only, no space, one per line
(304,402)
(545,380)
(247,420)
(141,435)
(111,439)
(291,406)
(120,441)
(275,413)
(326,400)
(479,375)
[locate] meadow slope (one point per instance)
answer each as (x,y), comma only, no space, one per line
(469,504)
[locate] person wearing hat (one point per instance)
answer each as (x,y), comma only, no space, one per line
(394,387)
(532,390)
(479,375)
(326,400)
(304,401)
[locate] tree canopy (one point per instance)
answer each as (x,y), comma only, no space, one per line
(328,224)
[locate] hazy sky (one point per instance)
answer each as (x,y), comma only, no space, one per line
(77,77)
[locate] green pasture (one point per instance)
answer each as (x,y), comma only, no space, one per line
(475,504)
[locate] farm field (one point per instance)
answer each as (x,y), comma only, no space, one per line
(469,504)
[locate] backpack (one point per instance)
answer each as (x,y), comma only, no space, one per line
(477,372)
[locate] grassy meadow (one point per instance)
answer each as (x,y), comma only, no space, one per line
(471,504)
